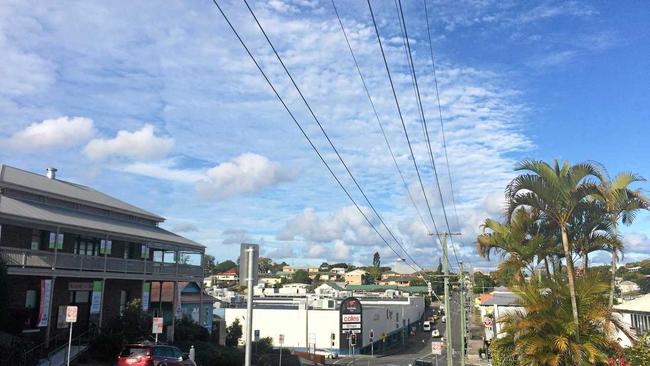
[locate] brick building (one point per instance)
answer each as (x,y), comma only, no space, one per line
(68,244)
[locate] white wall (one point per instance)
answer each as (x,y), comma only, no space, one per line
(291,323)
(386,316)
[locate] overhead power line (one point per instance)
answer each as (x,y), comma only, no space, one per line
(442,124)
(426,129)
(399,111)
(313,114)
(322,129)
(381,127)
(302,130)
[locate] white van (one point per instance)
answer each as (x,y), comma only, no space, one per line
(426,326)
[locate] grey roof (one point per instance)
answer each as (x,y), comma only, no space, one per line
(35,212)
(507,299)
(35,183)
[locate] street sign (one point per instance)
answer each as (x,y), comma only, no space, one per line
(371,334)
(436,348)
(157,326)
(71,314)
(281,339)
(351,326)
(351,318)
(257,335)
(487,322)
(355,331)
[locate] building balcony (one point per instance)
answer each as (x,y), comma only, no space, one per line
(41,262)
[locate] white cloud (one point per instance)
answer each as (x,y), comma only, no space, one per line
(235,236)
(344,224)
(244,174)
(142,144)
(56,133)
(315,251)
(282,252)
(636,243)
(341,251)
(164,170)
(184,227)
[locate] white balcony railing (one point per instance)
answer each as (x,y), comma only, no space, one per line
(27,258)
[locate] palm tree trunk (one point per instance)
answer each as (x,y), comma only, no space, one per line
(613,282)
(585,262)
(571,277)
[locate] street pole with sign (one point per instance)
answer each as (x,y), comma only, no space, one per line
(157,327)
(70,318)
(281,339)
(248,277)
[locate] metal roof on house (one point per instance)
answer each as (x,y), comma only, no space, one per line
(372,288)
(39,184)
(502,299)
(40,213)
(640,304)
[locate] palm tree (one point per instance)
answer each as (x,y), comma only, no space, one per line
(542,333)
(590,231)
(620,202)
(519,242)
(556,192)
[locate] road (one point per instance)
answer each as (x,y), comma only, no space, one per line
(419,346)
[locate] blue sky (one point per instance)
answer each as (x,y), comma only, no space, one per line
(157,104)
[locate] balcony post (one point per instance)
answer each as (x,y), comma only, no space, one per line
(48,331)
(24,258)
(176,256)
(56,248)
(146,251)
(106,251)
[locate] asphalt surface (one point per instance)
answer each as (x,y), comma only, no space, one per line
(418,346)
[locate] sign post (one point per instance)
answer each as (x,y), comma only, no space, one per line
(157,327)
(70,317)
(248,277)
(281,339)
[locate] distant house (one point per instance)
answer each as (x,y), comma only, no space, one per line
(635,314)
(356,277)
(500,303)
(396,281)
(330,289)
(338,270)
(269,281)
(229,275)
(628,287)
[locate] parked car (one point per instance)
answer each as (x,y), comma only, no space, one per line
(444,319)
(426,326)
(435,333)
(146,354)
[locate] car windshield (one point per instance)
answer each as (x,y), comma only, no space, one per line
(133,352)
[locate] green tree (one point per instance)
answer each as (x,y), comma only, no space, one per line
(621,203)
(300,276)
(209,264)
(224,266)
(482,282)
(264,264)
(376,260)
(519,241)
(374,273)
(233,334)
(545,333)
(556,192)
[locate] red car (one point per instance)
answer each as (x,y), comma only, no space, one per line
(152,355)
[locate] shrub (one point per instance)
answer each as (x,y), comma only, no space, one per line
(188,330)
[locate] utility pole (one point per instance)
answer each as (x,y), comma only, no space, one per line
(463,327)
(445,270)
(249,308)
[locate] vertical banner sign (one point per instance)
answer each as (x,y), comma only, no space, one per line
(157,326)
(350,323)
(96,298)
(44,310)
(146,291)
(179,309)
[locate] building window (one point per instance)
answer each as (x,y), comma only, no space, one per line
(123,301)
(86,246)
(31,299)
